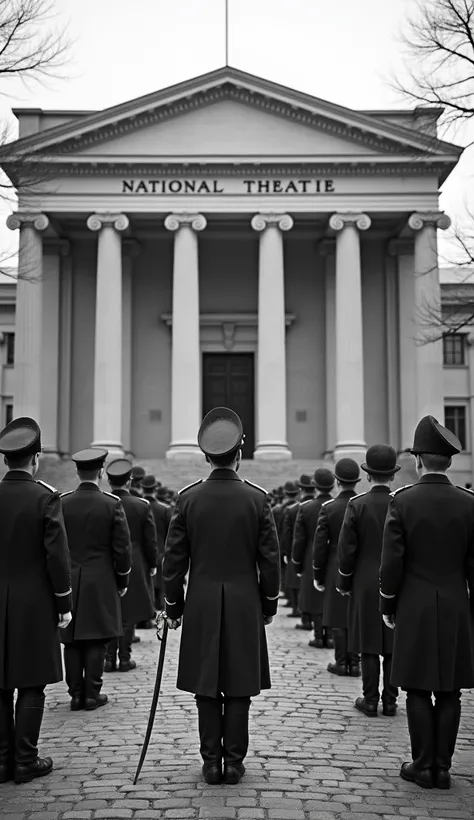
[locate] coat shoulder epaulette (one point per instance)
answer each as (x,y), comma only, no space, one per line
(306,501)
(292,506)
(359,495)
(48,486)
(161,504)
(466,489)
(143,500)
(331,501)
(111,495)
(257,487)
(400,490)
(68,492)
(188,486)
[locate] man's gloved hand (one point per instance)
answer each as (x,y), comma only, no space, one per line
(343,591)
(319,587)
(389,620)
(173,623)
(267,619)
(123,591)
(153,571)
(64,620)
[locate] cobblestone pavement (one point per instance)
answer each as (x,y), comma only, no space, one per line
(312,756)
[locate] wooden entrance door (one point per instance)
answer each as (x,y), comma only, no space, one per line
(228,381)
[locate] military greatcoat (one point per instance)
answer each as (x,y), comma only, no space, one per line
(35,583)
(137,604)
(288,529)
(223,531)
(99,543)
(335,607)
(359,551)
(161,515)
(427,582)
(302,554)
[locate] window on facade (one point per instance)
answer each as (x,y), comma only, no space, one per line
(455,420)
(8,413)
(454,348)
(10,347)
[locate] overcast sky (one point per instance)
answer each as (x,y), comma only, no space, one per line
(344,51)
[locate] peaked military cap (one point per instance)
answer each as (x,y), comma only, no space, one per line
(120,469)
(381,459)
(138,473)
(291,488)
(306,482)
(149,482)
(91,459)
(21,437)
(347,470)
(220,433)
(324,479)
(431,437)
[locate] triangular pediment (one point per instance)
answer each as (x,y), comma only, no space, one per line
(228,114)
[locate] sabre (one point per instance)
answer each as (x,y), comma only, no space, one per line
(160,619)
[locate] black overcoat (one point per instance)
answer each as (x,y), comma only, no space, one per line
(288,528)
(335,606)
(359,550)
(302,554)
(427,581)
(223,531)
(162,516)
(35,582)
(99,543)
(137,604)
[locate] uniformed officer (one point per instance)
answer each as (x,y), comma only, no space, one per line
(138,473)
(289,494)
(359,551)
(427,596)
(222,531)
(292,581)
(335,606)
(99,542)
(35,598)
(311,601)
(137,604)
(162,516)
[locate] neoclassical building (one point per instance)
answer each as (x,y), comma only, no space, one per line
(228,241)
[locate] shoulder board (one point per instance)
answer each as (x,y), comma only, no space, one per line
(331,501)
(188,486)
(400,490)
(111,495)
(48,486)
(257,487)
(143,500)
(161,504)
(69,492)
(292,506)
(466,489)
(359,495)
(306,501)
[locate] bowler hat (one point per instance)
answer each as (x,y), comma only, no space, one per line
(148,482)
(381,459)
(347,470)
(306,483)
(138,473)
(91,459)
(220,433)
(21,437)
(120,469)
(291,488)
(323,479)
(432,438)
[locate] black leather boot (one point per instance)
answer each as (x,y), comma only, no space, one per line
(235,738)
(110,663)
(74,666)
(94,655)
(211,729)
(339,666)
(28,719)
(390,692)
(125,649)
(447,715)
(370,685)
(318,641)
(421,725)
(306,622)
(7,735)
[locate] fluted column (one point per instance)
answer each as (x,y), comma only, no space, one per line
(271,363)
(108,331)
(429,349)
(350,436)
(185,351)
(29,309)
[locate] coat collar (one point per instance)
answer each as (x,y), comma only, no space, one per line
(434,478)
(379,489)
(17,475)
(89,485)
(223,475)
(346,494)
(323,494)
(120,492)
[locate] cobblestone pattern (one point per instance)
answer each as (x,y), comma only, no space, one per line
(312,756)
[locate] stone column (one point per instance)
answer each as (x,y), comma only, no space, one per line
(108,332)
(131,250)
(327,249)
(429,348)
(350,436)
(65,352)
(271,364)
(402,249)
(29,310)
(186,350)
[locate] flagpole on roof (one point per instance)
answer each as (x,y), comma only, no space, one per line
(227,32)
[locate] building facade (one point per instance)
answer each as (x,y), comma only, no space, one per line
(228,241)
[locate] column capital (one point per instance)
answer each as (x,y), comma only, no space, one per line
(423,219)
(180,219)
(107,220)
(339,221)
(35,220)
(272,220)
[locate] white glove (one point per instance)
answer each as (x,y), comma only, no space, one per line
(343,591)
(173,623)
(319,587)
(389,620)
(122,592)
(64,620)
(153,572)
